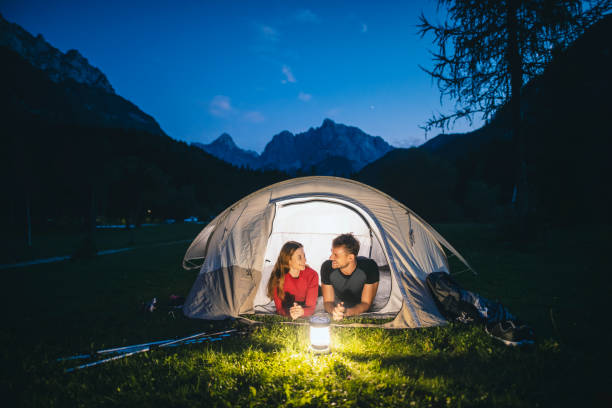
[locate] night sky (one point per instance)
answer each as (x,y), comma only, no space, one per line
(254,68)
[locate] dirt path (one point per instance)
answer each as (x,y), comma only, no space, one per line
(105,252)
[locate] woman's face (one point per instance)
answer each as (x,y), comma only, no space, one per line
(298,260)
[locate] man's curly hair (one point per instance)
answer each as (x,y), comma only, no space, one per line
(348,241)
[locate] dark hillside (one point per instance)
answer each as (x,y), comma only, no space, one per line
(64,164)
(28,90)
(423,182)
(565,113)
(567,121)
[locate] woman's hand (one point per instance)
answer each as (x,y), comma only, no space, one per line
(296,311)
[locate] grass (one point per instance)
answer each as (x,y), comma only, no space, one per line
(557,283)
(51,244)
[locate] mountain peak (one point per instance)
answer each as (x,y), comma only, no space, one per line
(284,135)
(224,140)
(224,148)
(328,123)
(317,150)
(41,82)
(57,65)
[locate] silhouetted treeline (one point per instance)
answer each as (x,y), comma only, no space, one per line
(63,171)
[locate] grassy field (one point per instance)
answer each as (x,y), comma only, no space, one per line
(557,283)
(51,244)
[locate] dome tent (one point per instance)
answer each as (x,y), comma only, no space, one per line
(236,251)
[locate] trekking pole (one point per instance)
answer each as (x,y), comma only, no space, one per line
(162,343)
(131,350)
(197,340)
(200,335)
(112,350)
(68,370)
(78,357)
(122,349)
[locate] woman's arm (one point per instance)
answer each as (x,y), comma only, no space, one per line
(312,292)
(279,305)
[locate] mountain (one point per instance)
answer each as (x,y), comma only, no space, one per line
(424,182)
(39,79)
(225,149)
(456,145)
(315,148)
(58,66)
(331,149)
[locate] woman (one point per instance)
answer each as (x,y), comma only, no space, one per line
(293,285)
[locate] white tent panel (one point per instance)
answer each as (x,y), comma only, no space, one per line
(314,224)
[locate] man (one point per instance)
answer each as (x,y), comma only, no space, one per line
(349,282)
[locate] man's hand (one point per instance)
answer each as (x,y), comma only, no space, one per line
(296,311)
(367,297)
(338,312)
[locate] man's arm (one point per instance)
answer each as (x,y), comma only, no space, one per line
(328,297)
(367,297)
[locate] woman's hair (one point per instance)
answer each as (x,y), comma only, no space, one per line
(281,267)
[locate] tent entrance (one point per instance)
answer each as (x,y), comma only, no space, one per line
(315,222)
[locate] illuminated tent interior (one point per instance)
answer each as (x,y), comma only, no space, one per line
(236,251)
(315,222)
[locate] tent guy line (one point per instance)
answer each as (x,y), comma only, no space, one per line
(105,252)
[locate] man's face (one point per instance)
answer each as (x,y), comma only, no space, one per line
(339,257)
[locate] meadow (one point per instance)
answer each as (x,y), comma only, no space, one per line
(557,282)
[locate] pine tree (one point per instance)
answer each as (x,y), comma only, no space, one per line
(487,51)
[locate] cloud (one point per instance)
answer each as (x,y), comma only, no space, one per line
(269,33)
(265,39)
(304,97)
(364,28)
(372,107)
(288,74)
(221,106)
(254,117)
(307,16)
(334,112)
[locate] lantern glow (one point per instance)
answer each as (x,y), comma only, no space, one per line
(319,333)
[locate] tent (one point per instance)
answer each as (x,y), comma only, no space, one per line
(236,251)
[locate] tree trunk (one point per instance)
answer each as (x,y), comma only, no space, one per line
(521,198)
(87,247)
(28,220)
(91,227)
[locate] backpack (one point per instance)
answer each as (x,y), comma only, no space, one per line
(460,305)
(453,301)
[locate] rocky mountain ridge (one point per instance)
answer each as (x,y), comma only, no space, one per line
(331,149)
(57,65)
(225,149)
(39,80)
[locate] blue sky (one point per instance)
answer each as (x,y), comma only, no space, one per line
(254,68)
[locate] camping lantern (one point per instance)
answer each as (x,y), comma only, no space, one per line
(319,333)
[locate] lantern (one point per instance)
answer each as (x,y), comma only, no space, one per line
(319,333)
